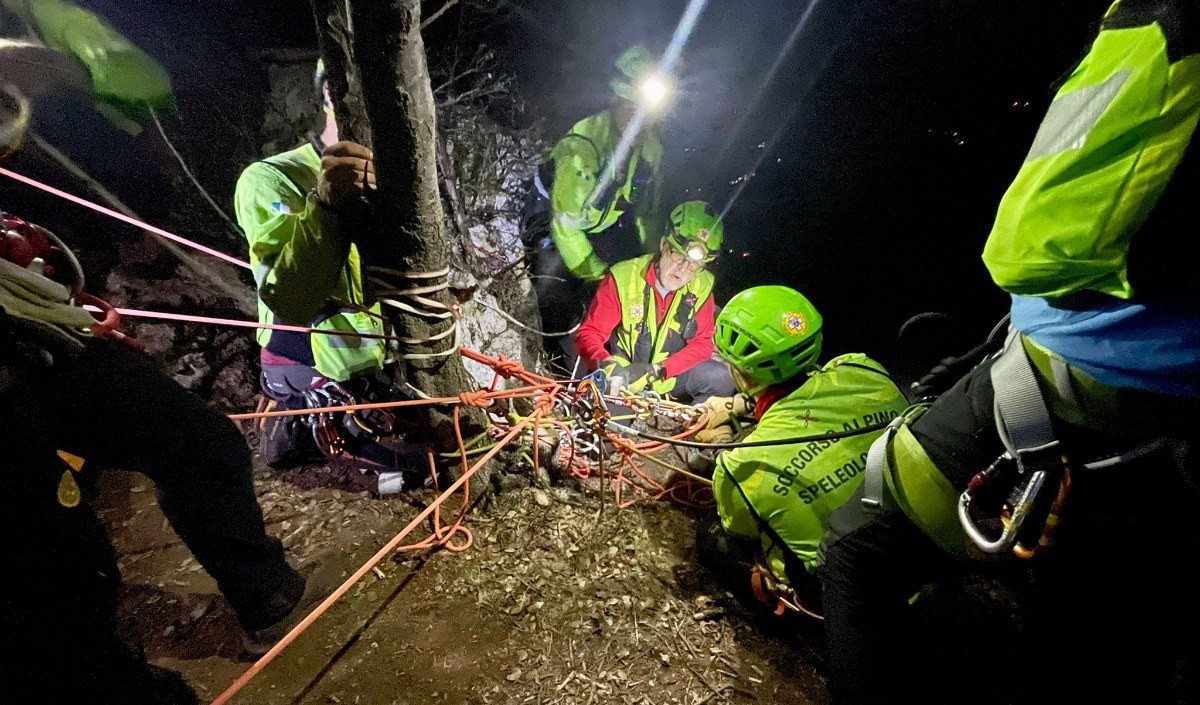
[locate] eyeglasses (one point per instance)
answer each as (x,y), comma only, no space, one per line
(679,259)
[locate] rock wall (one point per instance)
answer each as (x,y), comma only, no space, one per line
(492,168)
(485,171)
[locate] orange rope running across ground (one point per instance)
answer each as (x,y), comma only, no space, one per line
(546,391)
(366,567)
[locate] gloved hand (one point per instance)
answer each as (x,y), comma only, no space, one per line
(725,409)
(346,169)
(720,434)
(951,369)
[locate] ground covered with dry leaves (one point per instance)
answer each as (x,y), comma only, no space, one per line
(561,599)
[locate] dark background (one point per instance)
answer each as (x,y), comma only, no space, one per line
(878,151)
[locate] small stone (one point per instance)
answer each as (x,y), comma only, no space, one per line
(542,499)
(514,676)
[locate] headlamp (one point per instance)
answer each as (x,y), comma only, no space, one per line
(654,90)
(696,253)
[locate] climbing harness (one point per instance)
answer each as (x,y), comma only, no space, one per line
(1033,469)
(1015,503)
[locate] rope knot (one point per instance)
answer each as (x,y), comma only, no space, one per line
(478,398)
(508,368)
(545,402)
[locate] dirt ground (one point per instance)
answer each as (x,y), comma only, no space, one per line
(564,599)
(561,599)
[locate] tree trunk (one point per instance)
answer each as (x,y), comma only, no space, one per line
(375,64)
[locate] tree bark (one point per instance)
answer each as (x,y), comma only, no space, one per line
(379,82)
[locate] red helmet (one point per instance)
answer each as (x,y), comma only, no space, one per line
(22,243)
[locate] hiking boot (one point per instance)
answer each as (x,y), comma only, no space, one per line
(323,573)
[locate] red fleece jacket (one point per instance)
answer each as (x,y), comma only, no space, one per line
(604,315)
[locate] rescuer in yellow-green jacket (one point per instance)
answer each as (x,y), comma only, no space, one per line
(595,198)
(773,501)
(310,273)
(1070,443)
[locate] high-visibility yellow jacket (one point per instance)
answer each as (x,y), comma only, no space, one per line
(584,203)
(783,495)
(307,269)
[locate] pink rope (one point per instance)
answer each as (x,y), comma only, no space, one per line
(122,217)
(138,313)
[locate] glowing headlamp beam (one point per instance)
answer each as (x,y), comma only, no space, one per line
(799,102)
(735,133)
(683,30)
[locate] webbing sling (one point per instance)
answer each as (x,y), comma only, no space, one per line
(1024,425)
(1022,418)
(877,466)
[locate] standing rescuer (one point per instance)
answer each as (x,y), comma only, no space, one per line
(651,321)
(592,206)
(773,501)
(309,273)
(75,400)
(1095,241)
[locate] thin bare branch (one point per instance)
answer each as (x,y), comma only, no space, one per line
(441,11)
(196,182)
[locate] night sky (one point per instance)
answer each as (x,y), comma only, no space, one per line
(882,144)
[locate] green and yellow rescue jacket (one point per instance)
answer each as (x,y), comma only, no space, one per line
(784,495)
(308,272)
(1111,141)
(581,209)
(639,337)
(1106,149)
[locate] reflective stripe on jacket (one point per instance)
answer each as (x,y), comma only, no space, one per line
(308,272)
(784,495)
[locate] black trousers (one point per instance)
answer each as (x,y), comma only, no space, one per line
(1090,613)
(709,378)
(563,301)
(113,407)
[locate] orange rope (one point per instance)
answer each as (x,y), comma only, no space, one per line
(478,398)
(456,536)
(391,545)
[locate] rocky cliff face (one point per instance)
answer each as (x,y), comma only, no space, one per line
(492,168)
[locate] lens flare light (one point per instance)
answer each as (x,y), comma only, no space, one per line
(654,90)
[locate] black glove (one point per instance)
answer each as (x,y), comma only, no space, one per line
(951,369)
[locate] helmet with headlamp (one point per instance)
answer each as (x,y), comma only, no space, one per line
(641,81)
(696,231)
